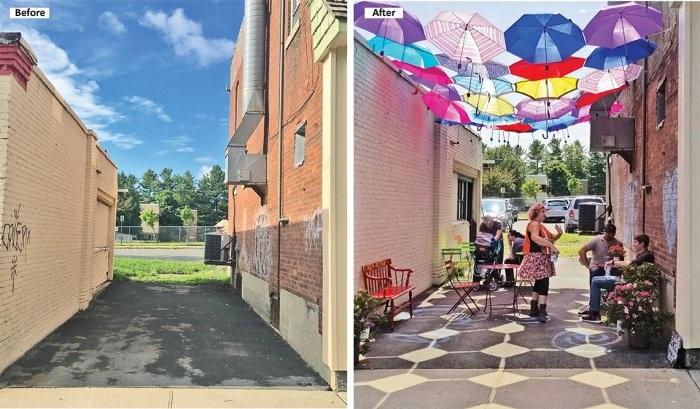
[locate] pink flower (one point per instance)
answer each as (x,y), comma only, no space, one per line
(627,317)
(631,304)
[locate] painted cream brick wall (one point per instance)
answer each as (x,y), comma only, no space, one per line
(405,173)
(48,183)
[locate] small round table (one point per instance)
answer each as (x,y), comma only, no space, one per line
(490,268)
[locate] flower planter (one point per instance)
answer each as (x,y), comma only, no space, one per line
(637,341)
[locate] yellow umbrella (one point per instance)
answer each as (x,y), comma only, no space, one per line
(547,88)
(489,104)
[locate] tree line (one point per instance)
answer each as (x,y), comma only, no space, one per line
(176,195)
(563,165)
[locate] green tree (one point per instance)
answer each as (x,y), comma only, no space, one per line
(558,176)
(168,208)
(128,202)
(530,188)
(149,185)
(574,185)
(596,173)
(554,151)
(165,179)
(507,158)
(212,197)
(187,216)
(575,158)
(150,217)
(495,178)
(535,155)
(185,190)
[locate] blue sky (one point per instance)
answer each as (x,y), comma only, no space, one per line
(503,14)
(149,76)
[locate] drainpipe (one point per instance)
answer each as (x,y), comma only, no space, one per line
(281,220)
(644,144)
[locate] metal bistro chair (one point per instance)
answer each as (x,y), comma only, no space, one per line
(460,275)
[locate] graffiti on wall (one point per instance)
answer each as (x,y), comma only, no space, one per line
(669,206)
(261,258)
(314,231)
(15,238)
(629,212)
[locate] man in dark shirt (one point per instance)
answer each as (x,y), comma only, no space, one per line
(640,245)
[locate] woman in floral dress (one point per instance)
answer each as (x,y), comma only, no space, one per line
(537,263)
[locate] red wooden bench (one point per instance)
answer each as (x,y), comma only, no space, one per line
(386,283)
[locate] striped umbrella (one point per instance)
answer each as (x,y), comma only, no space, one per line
(486,70)
(482,85)
(601,81)
(542,110)
(465,37)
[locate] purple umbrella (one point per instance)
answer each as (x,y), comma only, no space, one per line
(405,30)
(544,109)
(614,26)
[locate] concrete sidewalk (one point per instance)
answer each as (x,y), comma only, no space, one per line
(167,398)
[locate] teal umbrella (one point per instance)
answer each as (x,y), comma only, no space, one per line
(408,53)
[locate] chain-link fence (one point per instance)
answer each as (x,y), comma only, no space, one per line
(173,234)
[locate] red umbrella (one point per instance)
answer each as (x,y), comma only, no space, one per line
(588,98)
(542,71)
(517,128)
(434,75)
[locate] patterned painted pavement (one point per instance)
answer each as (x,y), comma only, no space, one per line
(509,360)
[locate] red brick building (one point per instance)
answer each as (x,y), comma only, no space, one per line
(286,171)
(644,193)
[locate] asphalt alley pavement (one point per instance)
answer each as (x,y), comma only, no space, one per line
(186,254)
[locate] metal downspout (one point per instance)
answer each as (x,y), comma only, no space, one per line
(644,145)
(281,220)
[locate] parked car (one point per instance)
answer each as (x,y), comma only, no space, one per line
(512,208)
(556,209)
(571,218)
(498,209)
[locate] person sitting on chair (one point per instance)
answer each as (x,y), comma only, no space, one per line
(515,241)
(640,245)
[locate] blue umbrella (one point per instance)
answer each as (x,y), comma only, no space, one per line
(409,53)
(477,84)
(552,124)
(626,54)
(544,38)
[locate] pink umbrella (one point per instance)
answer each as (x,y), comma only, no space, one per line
(544,109)
(465,36)
(445,109)
(605,80)
(434,75)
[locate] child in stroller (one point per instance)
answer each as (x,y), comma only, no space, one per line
(486,251)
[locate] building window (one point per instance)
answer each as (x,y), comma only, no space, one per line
(294,12)
(464,198)
(661,104)
(299,145)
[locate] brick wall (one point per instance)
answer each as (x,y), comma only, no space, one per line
(653,213)
(48,191)
(405,173)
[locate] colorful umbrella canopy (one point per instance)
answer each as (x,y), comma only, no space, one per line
(489,104)
(445,109)
(482,119)
(552,124)
(531,71)
(463,36)
(588,98)
(601,81)
(543,109)
(547,88)
(544,38)
(447,92)
(405,30)
(626,54)
(487,70)
(517,128)
(410,53)
(484,85)
(434,75)
(614,26)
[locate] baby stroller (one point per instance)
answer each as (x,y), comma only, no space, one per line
(486,252)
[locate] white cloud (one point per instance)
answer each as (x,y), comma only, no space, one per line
(205,159)
(186,36)
(74,86)
(111,23)
(204,170)
(148,106)
(185,149)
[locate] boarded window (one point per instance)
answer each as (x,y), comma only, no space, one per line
(661,104)
(300,145)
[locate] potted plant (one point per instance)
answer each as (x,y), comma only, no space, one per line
(635,304)
(365,319)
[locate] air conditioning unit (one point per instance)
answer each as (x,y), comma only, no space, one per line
(612,134)
(216,249)
(245,169)
(591,217)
